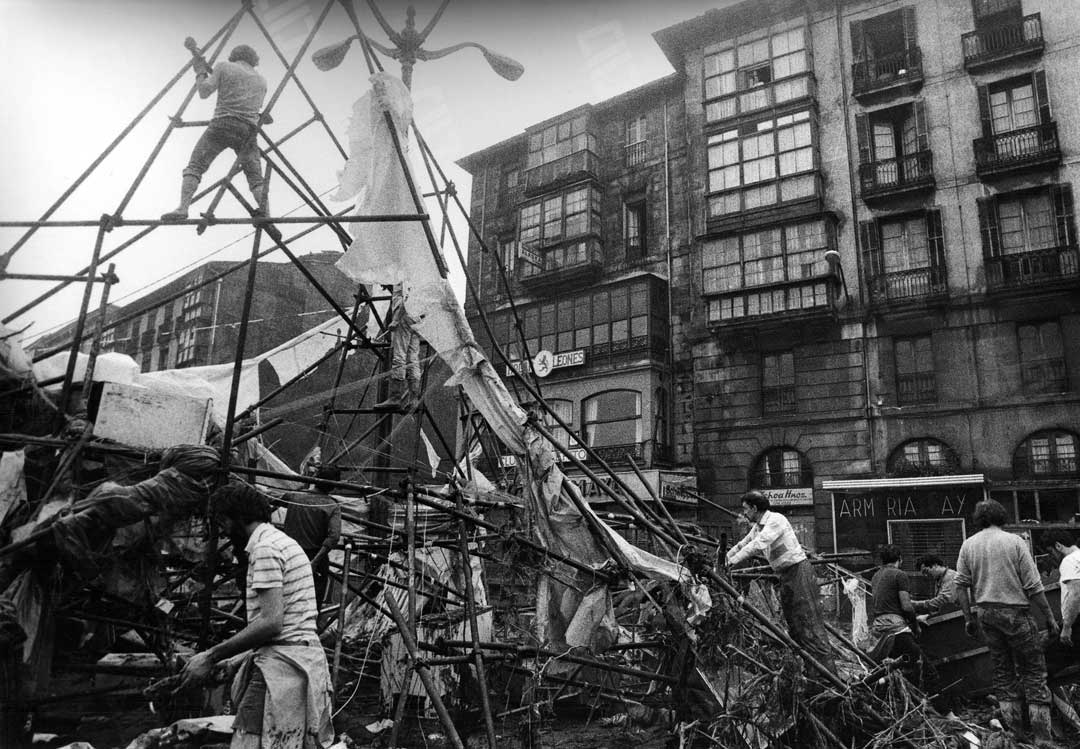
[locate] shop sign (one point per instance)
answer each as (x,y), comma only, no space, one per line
(801,496)
(545,362)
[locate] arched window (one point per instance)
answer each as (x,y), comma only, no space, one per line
(613,418)
(923,457)
(780,467)
(1048,453)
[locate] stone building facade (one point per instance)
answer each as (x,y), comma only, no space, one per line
(871,263)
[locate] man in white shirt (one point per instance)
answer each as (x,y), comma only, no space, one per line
(1062,544)
(772,537)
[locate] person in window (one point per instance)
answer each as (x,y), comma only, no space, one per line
(944,599)
(996,573)
(893,621)
(772,536)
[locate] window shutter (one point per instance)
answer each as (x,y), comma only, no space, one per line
(870,242)
(922,132)
(1042,97)
(935,235)
(984,111)
(908,15)
(862,135)
(1064,214)
(858,41)
(988,226)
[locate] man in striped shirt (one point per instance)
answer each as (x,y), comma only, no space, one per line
(772,537)
(282,691)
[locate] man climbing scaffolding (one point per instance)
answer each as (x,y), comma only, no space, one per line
(241,91)
(405,389)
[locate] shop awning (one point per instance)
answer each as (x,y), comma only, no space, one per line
(914,481)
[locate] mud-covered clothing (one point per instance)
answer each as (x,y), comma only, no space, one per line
(998,568)
(1016,650)
(282,695)
(800,600)
(773,538)
(944,598)
(241,91)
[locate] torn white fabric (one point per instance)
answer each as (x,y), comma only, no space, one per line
(14,362)
(432,453)
(383,252)
(860,627)
(12,481)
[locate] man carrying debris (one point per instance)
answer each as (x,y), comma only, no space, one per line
(997,573)
(944,598)
(281,692)
(894,616)
(1062,546)
(241,92)
(313,520)
(772,536)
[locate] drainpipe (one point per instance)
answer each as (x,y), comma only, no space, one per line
(670,405)
(852,176)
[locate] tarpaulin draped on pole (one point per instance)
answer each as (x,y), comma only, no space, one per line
(389,253)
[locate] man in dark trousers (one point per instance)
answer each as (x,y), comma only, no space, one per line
(313,520)
(772,537)
(996,573)
(894,616)
(241,92)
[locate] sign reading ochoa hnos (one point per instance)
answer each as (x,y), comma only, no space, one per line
(545,362)
(790,496)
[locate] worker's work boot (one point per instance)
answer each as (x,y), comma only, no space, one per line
(394,398)
(1012,717)
(1039,713)
(187,192)
(411,398)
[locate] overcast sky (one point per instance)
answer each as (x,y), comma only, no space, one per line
(77,72)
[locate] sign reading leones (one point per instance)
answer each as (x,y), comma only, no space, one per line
(790,496)
(545,362)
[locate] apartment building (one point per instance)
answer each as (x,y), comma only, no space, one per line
(870,260)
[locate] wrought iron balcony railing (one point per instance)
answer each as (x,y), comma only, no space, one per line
(1002,41)
(1034,268)
(636,153)
(778,400)
(878,74)
(1046,376)
(918,387)
(907,285)
(546,175)
(1017,149)
(891,176)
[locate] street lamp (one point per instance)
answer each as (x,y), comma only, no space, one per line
(408,48)
(832,257)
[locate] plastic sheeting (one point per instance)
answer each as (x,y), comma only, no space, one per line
(12,481)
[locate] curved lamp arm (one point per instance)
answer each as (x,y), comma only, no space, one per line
(394,36)
(507,67)
(434,20)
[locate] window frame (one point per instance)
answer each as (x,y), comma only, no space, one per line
(587,423)
(1023,459)
(778,391)
(804,477)
(898,462)
(917,377)
(1033,367)
(740,82)
(539,205)
(635,207)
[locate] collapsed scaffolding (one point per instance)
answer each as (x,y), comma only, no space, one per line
(713,660)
